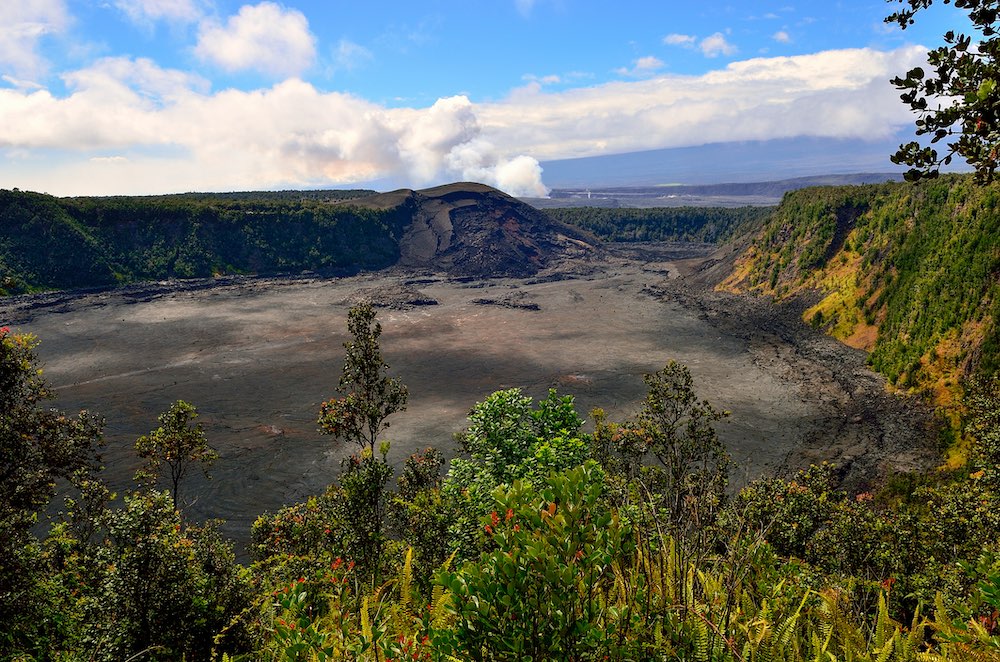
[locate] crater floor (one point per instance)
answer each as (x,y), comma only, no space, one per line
(258,356)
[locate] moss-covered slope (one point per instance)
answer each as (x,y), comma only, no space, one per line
(907,272)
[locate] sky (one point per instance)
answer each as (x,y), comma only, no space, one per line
(105,97)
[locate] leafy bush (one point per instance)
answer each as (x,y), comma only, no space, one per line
(508,440)
(543,591)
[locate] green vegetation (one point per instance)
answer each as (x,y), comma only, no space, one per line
(65,243)
(907,272)
(61,243)
(370,395)
(543,543)
(178,443)
(706,224)
(960,96)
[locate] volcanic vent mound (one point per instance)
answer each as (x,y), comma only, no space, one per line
(474,230)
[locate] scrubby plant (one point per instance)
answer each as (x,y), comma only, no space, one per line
(178,444)
(508,439)
(38,448)
(420,515)
(369,396)
(545,588)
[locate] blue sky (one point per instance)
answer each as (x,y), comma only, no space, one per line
(149,96)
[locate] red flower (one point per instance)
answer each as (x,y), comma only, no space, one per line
(510,513)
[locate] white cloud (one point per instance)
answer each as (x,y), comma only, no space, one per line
(478,160)
(685,40)
(781,37)
(648,63)
(286,135)
(551,79)
(20,83)
(349,55)
(521,174)
(178,135)
(838,94)
(716,45)
(143,11)
(711,46)
(643,66)
(23,23)
(263,37)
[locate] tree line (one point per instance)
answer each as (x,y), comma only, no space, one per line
(702,224)
(67,243)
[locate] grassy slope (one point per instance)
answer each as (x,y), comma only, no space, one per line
(907,272)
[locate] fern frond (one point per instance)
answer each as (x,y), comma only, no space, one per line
(437,593)
(366,622)
(883,624)
(620,586)
(406,581)
(784,632)
(701,652)
(886,650)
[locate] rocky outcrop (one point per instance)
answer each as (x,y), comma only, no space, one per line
(474,230)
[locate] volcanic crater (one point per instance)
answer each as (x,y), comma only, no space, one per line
(488,294)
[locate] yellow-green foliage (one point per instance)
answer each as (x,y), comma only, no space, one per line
(906,271)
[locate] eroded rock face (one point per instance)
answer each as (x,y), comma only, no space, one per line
(474,230)
(429,235)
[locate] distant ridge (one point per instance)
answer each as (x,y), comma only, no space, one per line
(731,194)
(773,188)
(717,163)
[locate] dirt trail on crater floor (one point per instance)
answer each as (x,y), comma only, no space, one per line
(258,356)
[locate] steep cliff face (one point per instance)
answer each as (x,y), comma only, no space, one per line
(906,272)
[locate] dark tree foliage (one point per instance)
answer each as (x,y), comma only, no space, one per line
(679,431)
(419,515)
(368,395)
(958,100)
(61,243)
(707,224)
(178,444)
(671,455)
(983,402)
(38,447)
(158,589)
